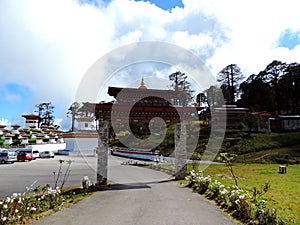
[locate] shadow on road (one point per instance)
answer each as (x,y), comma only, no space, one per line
(139,185)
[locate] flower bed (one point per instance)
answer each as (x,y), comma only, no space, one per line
(18,208)
(250,207)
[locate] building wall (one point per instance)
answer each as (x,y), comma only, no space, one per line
(84,125)
(291,124)
(285,123)
(29,123)
(48,147)
(83,146)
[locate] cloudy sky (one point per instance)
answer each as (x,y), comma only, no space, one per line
(47,46)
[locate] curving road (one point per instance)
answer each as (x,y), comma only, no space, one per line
(140,196)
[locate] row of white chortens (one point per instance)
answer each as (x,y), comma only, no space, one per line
(32,131)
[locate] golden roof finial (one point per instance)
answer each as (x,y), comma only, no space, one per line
(142,84)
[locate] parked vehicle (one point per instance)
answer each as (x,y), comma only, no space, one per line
(47,154)
(8,157)
(35,154)
(23,156)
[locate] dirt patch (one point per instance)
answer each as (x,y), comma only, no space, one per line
(265,155)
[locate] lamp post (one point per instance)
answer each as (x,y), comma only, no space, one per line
(102,152)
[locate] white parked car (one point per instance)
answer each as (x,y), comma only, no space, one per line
(47,154)
(35,154)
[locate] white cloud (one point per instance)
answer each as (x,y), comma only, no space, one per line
(253,29)
(13,98)
(4,122)
(49,45)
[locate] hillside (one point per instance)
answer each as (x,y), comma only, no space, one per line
(283,148)
(250,147)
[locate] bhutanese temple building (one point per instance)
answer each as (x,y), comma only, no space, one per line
(142,104)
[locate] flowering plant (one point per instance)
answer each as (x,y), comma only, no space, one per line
(251,207)
(14,209)
(197,181)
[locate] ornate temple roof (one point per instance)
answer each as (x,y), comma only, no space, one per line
(142,84)
(147,104)
(31,116)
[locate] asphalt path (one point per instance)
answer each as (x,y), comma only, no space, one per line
(14,178)
(140,196)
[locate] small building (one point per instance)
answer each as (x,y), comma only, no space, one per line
(8,139)
(83,140)
(39,139)
(80,143)
(2,127)
(235,117)
(25,139)
(285,123)
(15,129)
(31,120)
(84,124)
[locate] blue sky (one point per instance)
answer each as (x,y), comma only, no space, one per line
(163,4)
(289,39)
(47,47)
(166,4)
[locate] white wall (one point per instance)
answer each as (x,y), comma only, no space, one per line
(48,147)
(88,126)
(82,145)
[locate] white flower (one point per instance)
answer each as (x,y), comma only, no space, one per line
(4,218)
(5,206)
(224,191)
(241,196)
(261,210)
(15,195)
(16,211)
(33,209)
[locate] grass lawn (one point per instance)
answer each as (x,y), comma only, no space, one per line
(285,188)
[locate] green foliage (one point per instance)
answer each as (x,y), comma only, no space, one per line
(284,191)
(251,146)
(249,207)
(227,159)
(197,182)
(18,207)
(32,141)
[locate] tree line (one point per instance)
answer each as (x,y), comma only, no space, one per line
(274,89)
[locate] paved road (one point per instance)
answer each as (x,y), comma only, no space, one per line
(140,196)
(16,177)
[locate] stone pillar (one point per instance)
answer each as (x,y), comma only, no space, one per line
(102,153)
(180,151)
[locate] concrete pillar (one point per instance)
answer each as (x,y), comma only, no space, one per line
(102,153)
(180,151)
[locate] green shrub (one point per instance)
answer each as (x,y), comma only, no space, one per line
(16,208)
(249,207)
